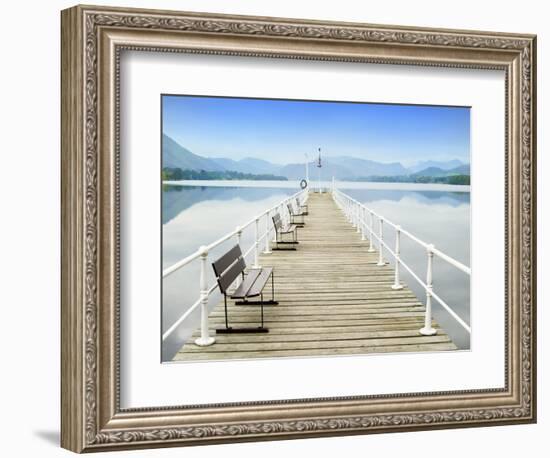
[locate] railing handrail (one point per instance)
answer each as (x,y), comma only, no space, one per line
(202,252)
(435,251)
(357,219)
(183,262)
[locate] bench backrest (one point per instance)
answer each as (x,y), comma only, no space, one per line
(277,221)
(228,267)
(290,209)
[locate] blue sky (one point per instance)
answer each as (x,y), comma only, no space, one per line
(282,131)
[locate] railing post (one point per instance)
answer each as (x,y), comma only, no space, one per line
(267,249)
(363,223)
(397,284)
(205,339)
(427,330)
(239,231)
(380,241)
(257,243)
(371,234)
(358,216)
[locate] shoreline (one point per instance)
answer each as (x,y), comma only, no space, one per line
(295,184)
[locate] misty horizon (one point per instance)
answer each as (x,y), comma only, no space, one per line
(312,158)
(283,131)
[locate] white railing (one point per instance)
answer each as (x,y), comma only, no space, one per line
(202,253)
(357,213)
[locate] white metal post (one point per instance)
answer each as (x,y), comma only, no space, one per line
(371,235)
(363,223)
(267,249)
(358,216)
(427,330)
(239,231)
(257,243)
(380,240)
(397,284)
(204,340)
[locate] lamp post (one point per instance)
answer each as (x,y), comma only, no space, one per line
(319,165)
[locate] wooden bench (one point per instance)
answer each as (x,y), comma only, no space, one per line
(303,207)
(294,215)
(280,230)
(227,269)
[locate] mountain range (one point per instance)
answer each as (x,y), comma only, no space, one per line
(341,167)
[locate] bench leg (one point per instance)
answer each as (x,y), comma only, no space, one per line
(298,223)
(225,308)
(282,242)
(301,223)
(269,302)
(262,309)
(241,330)
(230,330)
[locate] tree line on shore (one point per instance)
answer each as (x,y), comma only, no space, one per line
(177,174)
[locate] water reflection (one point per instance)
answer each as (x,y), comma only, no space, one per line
(439,218)
(175,199)
(198,215)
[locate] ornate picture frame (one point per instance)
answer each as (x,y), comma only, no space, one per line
(92,41)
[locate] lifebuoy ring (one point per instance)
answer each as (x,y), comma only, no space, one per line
(303,184)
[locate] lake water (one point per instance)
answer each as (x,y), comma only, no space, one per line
(198,213)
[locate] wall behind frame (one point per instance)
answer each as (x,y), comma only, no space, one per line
(29,233)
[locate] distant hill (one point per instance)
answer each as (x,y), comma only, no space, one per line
(444,165)
(176,156)
(340,167)
(329,169)
(248,165)
(363,167)
(463,169)
(343,168)
(431,172)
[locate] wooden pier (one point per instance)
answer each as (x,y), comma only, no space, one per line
(333,300)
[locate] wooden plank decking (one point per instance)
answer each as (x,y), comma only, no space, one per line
(333,300)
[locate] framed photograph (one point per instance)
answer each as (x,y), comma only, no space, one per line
(277,228)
